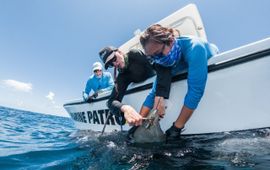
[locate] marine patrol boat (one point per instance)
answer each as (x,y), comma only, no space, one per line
(236,96)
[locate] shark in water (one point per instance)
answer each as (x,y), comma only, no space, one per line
(149,132)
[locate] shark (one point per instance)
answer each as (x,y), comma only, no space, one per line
(150,130)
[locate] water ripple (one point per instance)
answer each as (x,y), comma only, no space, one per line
(36,141)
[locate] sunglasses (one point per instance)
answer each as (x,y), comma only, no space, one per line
(95,71)
(110,63)
(159,53)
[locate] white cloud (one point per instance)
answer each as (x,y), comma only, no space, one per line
(50,97)
(17,85)
(20,103)
(57,107)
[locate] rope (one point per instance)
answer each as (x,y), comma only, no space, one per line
(115,82)
(116,90)
(106,121)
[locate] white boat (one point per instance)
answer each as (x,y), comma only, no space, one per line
(236,97)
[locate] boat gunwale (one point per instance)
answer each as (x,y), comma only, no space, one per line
(211,68)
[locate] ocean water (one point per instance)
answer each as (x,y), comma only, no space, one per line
(36,141)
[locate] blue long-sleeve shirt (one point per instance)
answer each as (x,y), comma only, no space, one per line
(193,56)
(96,84)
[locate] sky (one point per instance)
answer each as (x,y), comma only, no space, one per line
(47,48)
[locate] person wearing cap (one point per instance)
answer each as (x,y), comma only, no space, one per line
(132,67)
(99,81)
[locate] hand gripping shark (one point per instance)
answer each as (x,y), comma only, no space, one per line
(150,131)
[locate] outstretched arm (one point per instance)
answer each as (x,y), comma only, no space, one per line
(131,115)
(116,107)
(197,76)
(87,90)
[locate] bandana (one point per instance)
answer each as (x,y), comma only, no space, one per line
(170,59)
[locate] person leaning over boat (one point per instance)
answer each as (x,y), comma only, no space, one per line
(99,81)
(172,55)
(132,67)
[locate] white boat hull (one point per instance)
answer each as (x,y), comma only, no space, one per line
(236,98)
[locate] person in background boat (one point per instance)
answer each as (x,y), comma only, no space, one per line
(172,54)
(132,67)
(98,82)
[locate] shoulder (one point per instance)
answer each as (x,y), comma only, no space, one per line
(123,79)
(192,39)
(107,74)
(187,37)
(135,53)
(90,79)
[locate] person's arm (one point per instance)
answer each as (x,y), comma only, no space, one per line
(114,103)
(110,82)
(87,90)
(159,91)
(88,87)
(163,81)
(116,107)
(197,77)
(163,88)
(183,117)
(131,115)
(150,99)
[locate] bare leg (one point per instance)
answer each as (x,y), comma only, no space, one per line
(183,117)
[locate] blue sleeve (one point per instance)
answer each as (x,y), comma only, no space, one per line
(197,75)
(150,99)
(110,82)
(88,87)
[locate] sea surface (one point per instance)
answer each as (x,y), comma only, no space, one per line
(31,140)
